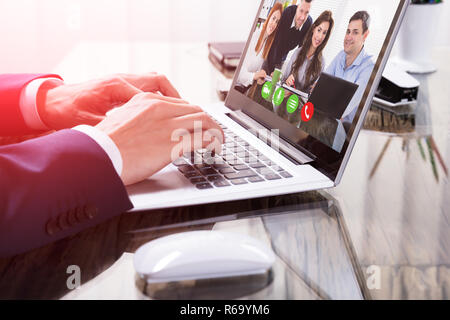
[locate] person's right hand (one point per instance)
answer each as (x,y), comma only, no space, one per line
(260,77)
(290,81)
(149,129)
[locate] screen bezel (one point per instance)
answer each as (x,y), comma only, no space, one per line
(328,161)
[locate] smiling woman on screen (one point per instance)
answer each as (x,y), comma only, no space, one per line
(259,49)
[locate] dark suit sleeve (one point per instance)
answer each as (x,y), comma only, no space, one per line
(11,119)
(53,187)
(276,52)
(305,29)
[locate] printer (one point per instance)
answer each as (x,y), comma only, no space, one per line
(397,88)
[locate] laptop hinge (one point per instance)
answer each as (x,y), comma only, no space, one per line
(272,140)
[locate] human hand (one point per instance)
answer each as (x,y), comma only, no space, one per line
(67,106)
(148,129)
(260,77)
(290,81)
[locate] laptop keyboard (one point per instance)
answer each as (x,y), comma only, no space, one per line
(238,164)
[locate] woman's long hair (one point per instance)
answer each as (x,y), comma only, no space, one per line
(277,7)
(315,67)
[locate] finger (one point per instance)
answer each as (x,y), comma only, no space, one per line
(119,93)
(168,110)
(196,122)
(152,82)
(162,84)
(186,143)
(165,87)
(151,95)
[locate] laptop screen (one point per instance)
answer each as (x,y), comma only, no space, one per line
(299,51)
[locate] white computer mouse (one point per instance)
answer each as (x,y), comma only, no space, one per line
(202,255)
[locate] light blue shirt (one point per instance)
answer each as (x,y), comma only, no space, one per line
(359,73)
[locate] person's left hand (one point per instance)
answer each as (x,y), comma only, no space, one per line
(67,106)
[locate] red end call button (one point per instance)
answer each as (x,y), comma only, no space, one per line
(307,112)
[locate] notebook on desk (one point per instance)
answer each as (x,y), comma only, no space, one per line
(228,54)
(265,155)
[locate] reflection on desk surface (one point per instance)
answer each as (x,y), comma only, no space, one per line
(308,265)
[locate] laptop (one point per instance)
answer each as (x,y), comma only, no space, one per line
(331,95)
(264,154)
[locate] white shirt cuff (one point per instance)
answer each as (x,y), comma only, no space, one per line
(28,102)
(106,143)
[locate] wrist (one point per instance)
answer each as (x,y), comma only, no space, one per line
(43,105)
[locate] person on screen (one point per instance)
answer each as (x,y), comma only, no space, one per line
(294,25)
(353,63)
(307,63)
(259,49)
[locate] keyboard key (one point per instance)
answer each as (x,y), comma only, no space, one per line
(202,166)
(209,161)
(218,160)
(272,177)
(186,169)
(239,182)
(285,174)
(226,153)
(227,170)
(252,161)
(228,157)
(221,184)
(198,180)
(241,175)
(203,186)
(241,167)
(243,154)
(255,179)
(237,149)
(257,165)
(233,161)
(194,158)
(180,162)
(277,168)
(193,174)
(256,152)
(215,178)
(230,145)
(219,166)
(208,172)
(264,171)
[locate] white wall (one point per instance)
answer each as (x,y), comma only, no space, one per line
(444,30)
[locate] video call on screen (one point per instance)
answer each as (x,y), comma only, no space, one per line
(295,42)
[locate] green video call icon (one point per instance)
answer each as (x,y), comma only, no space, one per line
(292,104)
(278,97)
(266,90)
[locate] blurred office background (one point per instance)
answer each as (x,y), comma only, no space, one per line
(30,29)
